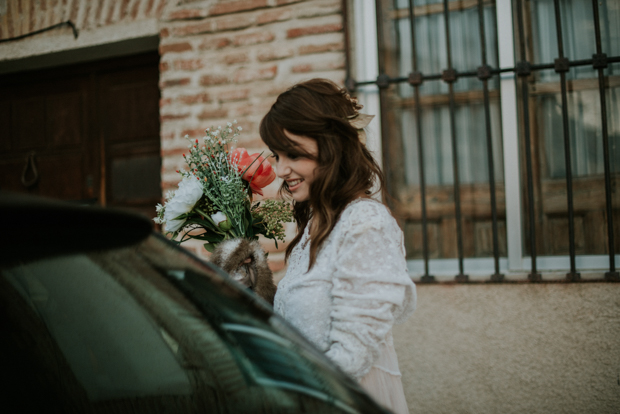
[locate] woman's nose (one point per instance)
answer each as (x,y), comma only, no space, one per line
(282,168)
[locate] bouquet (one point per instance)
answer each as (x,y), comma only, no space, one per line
(214,201)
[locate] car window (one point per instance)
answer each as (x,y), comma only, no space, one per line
(108,339)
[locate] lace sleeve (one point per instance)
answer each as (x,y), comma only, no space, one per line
(371,289)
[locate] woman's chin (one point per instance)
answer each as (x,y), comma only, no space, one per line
(300,195)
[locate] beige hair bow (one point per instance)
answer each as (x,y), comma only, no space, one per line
(359,122)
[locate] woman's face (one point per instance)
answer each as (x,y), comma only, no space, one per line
(298,171)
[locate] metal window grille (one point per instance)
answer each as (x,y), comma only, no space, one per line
(524,69)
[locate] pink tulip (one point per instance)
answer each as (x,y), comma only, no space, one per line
(255,169)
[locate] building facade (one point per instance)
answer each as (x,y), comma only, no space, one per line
(498,130)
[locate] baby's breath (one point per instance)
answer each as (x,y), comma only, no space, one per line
(273,214)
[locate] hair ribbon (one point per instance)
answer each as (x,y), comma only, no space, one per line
(360,121)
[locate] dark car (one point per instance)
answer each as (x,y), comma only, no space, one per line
(99,313)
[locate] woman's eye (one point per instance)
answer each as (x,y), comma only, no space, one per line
(274,155)
(292,156)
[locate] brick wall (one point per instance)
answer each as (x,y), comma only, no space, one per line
(230,59)
(20,17)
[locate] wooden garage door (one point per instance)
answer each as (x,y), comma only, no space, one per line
(86,133)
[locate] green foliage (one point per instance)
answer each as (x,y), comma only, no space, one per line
(225,192)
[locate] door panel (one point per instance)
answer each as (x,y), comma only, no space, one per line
(88,132)
(131,138)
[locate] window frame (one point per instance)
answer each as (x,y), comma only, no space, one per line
(516,265)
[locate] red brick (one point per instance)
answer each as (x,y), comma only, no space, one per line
(194,28)
(209,80)
(327,47)
(169,185)
(188,64)
(233,23)
(274,16)
(249,75)
(173,117)
(216,43)
(174,48)
(165,101)
(194,99)
(149,8)
(193,133)
(274,54)
(320,66)
(186,14)
(124,6)
(306,67)
(234,58)
(163,33)
(160,8)
(253,38)
(163,66)
(172,152)
(134,10)
(311,30)
(174,82)
(228,6)
(336,65)
(234,95)
(214,114)
(109,13)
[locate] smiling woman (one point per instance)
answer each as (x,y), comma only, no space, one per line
(347,282)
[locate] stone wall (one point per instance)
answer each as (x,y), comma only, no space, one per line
(512,348)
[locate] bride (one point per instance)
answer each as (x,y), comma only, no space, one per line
(347,281)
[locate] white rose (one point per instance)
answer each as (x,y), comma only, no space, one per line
(184,200)
(221,220)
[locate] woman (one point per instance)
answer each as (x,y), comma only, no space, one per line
(347,281)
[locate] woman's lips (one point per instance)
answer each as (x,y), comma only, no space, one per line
(294,184)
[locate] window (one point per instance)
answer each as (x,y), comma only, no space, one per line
(462,92)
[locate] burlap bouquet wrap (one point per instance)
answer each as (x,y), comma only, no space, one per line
(245,262)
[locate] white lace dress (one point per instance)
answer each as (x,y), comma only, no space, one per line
(348,302)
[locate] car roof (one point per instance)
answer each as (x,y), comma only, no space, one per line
(37,227)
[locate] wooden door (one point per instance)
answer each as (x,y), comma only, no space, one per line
(87,133)
(45,143)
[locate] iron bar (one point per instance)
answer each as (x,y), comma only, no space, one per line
(418,114)
(494,71)
(383,109)
(484,74)
(349,83)
(612,274)
(561,67)
(534,276)
(450,77)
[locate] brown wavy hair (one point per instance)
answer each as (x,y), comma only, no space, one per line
(319,109)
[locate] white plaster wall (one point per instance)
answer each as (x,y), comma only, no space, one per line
(513,348)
